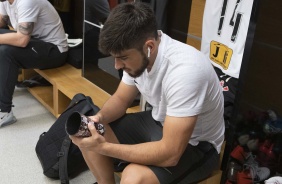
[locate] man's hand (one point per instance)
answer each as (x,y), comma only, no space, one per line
(92,143)
(96,118)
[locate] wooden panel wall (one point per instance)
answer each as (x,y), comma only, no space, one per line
(262,82)
(178,16)
(195,25)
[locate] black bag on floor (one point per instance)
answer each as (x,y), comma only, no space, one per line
(59,157)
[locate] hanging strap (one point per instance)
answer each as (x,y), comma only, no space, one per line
(92,105)
(63,154)
(63,161)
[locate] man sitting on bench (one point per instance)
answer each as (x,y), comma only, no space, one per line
(180,139)
(37,41)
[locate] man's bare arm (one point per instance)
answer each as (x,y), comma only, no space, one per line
(118,103)
(21,37)
(164,153)
(26,28)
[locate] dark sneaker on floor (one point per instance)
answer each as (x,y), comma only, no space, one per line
(34,81)
(7,118)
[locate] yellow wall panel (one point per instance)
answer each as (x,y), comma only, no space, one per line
(194,42)
(196,18)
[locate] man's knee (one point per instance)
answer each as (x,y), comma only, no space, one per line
(5,50)
(131,175)
(138,174)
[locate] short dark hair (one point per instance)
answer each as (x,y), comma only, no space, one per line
(128,26)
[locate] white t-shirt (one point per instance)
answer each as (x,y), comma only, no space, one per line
(47,23)
(181,83)
(225,27)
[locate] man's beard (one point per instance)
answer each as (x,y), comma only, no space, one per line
(143,67)
(2,0)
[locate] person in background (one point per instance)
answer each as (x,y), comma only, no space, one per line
(180,139)
(96,12)
(37,40)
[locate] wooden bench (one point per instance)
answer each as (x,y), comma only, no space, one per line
(66,81)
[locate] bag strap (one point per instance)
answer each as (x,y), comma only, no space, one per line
(93,106)
(63,160)
(63,154)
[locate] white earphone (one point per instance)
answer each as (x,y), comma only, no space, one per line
(149,52)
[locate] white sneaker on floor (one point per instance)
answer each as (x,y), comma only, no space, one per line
(7,118)
(274,180)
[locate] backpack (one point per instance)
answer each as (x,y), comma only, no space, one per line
(59,157)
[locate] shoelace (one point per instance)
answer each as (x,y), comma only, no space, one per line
(252,165)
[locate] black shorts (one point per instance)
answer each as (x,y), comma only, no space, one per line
(196,163)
